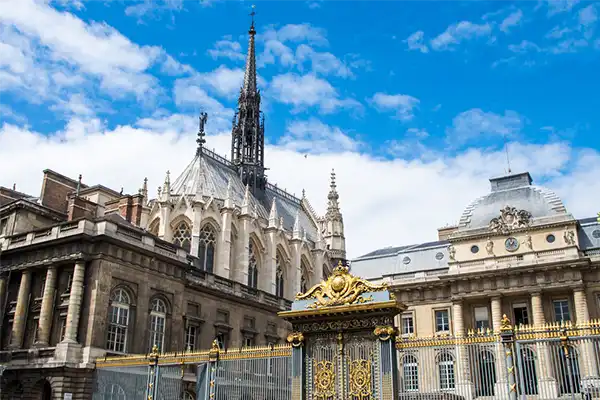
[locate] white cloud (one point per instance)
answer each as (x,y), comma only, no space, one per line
(227,48)
(457,33)
(68,43)
(524,47)
(514,19)
(296,33)
(315,137)
(416,42)
(145,7)
(402,104)
(375,193)
(560,6)
(323,63)
(302,91)
(475,123)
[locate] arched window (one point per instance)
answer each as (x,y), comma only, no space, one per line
(410,373)
(486,379)
(304,276)
(279,276)
(527,368)
(188,396)
(446,371)
(183,236)
(114,392)
(206,248)
(158,319)
(252,266)
(118,321)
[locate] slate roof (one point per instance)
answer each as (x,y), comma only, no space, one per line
(210,173)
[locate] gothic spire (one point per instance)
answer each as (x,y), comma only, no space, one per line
(144,191)
(247,134)
(250,74)
(273,215)
(333,207)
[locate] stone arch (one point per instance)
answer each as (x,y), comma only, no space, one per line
(208,237)
(180,218)
(130,292)
(153,226)
(254,261)
(282,272)
(162,297)
(213,223)
(181,226)
(260,242)
(41,390)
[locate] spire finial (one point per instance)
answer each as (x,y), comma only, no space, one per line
(14,186)
(252,14)
(144,190)
(201,133)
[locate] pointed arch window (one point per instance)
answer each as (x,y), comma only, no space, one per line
(304,276)
(279,277)
(158,319)
(206,248)
(183,236)
(252,266)
(118,321)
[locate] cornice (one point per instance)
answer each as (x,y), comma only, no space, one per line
(490,234)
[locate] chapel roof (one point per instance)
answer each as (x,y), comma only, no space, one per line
(209,174)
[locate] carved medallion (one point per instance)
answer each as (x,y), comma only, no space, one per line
(340,288)
(510,218)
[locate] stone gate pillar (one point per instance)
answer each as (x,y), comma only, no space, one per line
(343,340)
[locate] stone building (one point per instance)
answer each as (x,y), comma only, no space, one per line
(515,251)
(87,271)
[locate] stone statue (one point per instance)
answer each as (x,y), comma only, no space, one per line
(569,237)
(490,247)
(451,252)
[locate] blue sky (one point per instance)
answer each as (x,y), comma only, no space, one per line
(411,102)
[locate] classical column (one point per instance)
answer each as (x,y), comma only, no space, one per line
(587,356)
(502,371)
(464,387)
(75,299)
(46,312)
(547,386)
(20,319)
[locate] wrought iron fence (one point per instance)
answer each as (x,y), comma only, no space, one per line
(258,373)
(554,361)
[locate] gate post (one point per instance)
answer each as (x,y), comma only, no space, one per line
(388,385)
(211,376)
(296,339)
(152,374)
(507,336)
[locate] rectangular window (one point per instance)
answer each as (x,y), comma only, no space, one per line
(561,310)
(408,325)
(63,329)
(248,341)
(521,314)
(221,340)
(482,318)
(3,225)
(69,282)
(442,321)
(190,338)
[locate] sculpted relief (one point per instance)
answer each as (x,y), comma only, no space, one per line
(510,218)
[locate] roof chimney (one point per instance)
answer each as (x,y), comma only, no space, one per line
(511,181)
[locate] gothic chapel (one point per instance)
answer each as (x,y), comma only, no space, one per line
(238,225)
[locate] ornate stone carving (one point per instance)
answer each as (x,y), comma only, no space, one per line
(510,218)
(340,288)
(569,237)
(451,252)
(527,242)
(296,339)
(490,247)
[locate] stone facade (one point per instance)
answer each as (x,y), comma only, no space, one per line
(516,251)
(87,271)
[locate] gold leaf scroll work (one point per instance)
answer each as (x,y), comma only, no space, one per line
(360,380)
(341,288)
(324,381)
